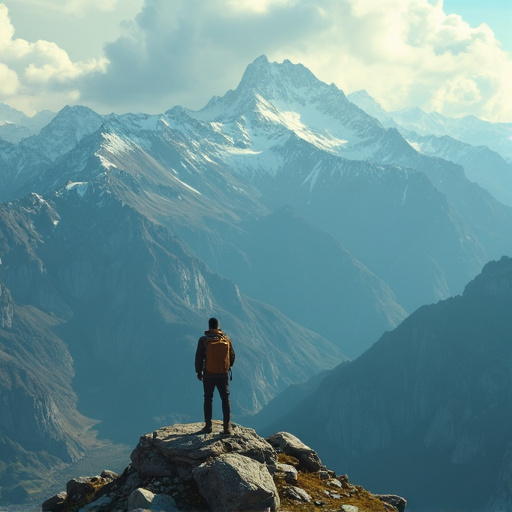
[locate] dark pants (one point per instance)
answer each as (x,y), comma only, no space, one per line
(209,385)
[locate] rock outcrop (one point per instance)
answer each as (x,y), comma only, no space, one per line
(181,468)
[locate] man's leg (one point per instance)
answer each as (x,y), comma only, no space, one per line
(209,387)
(223,387)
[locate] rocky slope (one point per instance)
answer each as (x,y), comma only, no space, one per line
(40,426)
(179,468)
(428,406)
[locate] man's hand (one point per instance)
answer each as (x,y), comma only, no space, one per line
(199,376)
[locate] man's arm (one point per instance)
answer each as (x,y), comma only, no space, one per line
(231,354)
(200,355)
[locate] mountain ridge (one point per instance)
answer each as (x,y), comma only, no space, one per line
(432,394)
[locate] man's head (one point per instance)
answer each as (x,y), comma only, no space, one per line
(213,323)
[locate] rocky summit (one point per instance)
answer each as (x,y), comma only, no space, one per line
(182,468)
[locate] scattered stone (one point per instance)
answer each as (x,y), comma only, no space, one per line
(291,445)
(396,501)
(236,482)
(289,471)
(335,483)
(319,503)
(144,499)
(349,508)
(297,494)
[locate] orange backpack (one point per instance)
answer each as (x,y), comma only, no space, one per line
(217,354)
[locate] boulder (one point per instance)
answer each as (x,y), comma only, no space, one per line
(235,482)
(80,487)
(291,445)
(55,503)
(297,494)
(289,471)
(146,500)
(175,451)
(396,501)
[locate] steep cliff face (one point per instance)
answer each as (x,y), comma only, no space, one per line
(430,401)
(39,424)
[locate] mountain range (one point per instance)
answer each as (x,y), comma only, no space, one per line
(304,223)
(428,409)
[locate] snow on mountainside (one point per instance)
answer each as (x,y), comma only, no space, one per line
(468,129)
(274,101)
(15,125)
(236,155)
(481,165)
(64,131)
(483,149)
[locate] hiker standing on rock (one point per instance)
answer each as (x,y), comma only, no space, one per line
(214,358)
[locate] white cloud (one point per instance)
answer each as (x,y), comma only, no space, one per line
(412,53)
(9,82)
(404,53)
(30,72)
(82,6)
(75,7)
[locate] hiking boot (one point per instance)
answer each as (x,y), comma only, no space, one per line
(227,430)
(207,429)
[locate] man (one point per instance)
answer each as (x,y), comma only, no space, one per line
(214,357)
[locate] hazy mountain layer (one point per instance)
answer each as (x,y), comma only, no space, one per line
(428,409)
(39,423)
(135,302)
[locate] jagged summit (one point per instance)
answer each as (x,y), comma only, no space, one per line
(64,131)
(282,85)
(180,468)
(274,77)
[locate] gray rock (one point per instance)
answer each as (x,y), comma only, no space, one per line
(175,451)
(144,499)
(297,494)
(289,471)
(108,475)
(102,504)
(335,483)
(81,486)
(236,482)
(291,445)
(6,307)
(396,501)
(55,503)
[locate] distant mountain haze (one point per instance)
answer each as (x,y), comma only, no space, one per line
(306,224)
(428,409)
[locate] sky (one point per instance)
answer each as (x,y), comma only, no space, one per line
(451,56)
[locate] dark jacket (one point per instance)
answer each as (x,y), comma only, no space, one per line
(201,352)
